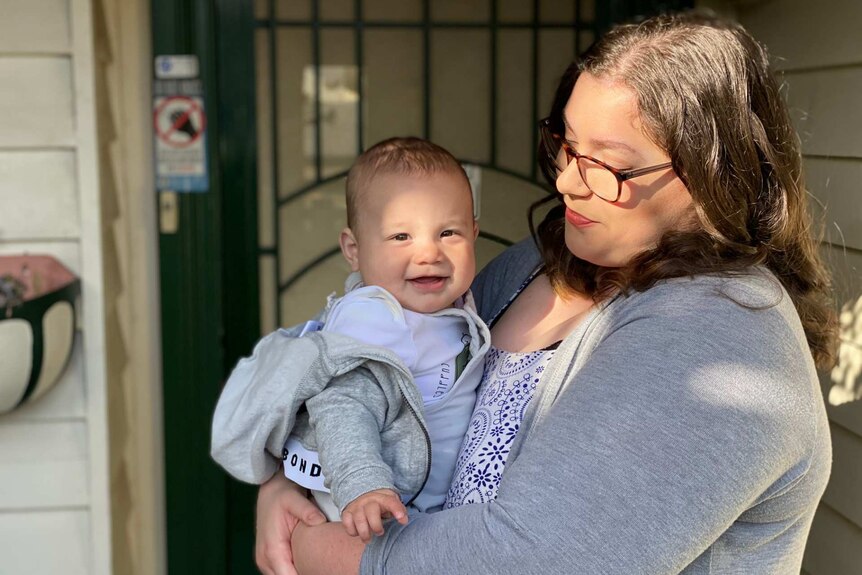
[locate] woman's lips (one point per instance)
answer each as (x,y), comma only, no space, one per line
(577,219)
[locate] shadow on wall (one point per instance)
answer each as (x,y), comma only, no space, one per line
(846,380)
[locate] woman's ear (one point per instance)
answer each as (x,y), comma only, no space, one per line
(349,248)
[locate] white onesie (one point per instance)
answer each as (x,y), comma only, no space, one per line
(434,348)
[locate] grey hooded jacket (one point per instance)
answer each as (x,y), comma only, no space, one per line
(355,404)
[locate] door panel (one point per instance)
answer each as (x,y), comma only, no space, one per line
(393,83)
(448,70)
(295,89)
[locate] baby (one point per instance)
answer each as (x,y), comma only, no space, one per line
(410,239)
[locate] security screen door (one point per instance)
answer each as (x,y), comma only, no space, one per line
(335,76)
(295,90)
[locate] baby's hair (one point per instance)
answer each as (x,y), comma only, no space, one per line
(405,156)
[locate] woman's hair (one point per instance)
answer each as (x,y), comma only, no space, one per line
(707,97)
(406,156)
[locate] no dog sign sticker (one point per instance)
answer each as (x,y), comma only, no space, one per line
(179,123)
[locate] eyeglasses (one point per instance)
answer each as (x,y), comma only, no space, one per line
(555,155)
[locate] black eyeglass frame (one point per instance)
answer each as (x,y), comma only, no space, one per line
(548,135)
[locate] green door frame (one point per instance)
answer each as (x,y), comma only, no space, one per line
(240,274)
(209,280)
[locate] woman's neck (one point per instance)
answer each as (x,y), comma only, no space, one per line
(538,318)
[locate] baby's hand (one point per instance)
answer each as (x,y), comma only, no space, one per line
(364,515)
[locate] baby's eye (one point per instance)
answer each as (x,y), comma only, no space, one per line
(400,237)
(447,233)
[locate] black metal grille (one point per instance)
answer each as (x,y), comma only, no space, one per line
(316,25)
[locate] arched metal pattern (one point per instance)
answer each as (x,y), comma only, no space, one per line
(524,47)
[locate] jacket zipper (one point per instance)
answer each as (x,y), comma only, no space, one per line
(427,450)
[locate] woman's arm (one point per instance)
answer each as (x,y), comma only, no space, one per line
(281,506)
(326,549)
(681,419)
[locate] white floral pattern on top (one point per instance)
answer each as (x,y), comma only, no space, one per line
(507,387)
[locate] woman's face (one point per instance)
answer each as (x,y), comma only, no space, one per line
(601,119)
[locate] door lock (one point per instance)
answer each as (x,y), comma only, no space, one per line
(169,212)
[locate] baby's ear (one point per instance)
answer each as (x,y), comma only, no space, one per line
(349,248)
(475,229)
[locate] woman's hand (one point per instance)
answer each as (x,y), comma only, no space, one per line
(281,506)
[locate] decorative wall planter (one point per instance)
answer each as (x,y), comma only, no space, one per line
(37,326)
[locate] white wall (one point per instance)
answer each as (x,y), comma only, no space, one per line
(54,502)
(818,46)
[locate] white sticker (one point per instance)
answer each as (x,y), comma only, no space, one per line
(176,66)
(474,174)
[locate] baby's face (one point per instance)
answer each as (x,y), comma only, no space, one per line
(415,237)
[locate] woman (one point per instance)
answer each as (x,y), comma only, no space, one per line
(676,307)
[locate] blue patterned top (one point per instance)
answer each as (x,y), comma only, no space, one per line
(507,387)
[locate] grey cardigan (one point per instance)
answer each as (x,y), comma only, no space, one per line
(675,431)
